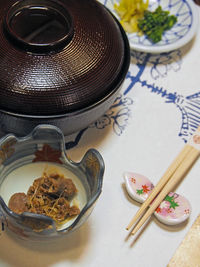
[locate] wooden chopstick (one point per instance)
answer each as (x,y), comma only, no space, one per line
(165,178)
(175,178)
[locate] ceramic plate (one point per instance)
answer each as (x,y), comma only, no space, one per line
(180,34)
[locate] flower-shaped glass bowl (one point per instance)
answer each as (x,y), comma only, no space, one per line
(24,159)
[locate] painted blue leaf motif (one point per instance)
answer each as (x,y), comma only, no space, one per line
(121,120)
(117,115)
(121,101)
(155,73)
(164,63)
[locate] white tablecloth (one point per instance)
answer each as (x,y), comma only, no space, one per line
(157,110)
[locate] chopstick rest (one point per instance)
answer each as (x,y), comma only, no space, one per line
(173,175)
(173,210)
(162,182)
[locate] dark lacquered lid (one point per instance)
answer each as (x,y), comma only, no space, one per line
(57,56)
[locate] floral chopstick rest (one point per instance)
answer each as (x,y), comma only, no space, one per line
(173,210)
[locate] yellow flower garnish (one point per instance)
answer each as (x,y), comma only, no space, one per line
(129,12)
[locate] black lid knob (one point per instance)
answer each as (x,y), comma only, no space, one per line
(38,25)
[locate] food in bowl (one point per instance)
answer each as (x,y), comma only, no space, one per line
(51,195)
(57,193)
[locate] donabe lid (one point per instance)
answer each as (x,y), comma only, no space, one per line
(57,56)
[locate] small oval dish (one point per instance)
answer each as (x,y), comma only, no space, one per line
(23,160)
(179,35)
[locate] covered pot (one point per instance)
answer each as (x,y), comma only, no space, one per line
(61,62)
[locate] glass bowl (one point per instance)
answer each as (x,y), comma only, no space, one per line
(24,159)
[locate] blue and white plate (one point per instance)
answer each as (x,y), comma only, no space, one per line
(180,34)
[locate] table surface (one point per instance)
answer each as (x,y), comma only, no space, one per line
(155,113)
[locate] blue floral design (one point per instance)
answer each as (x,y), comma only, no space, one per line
(117,115)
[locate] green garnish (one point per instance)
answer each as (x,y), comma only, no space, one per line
(155,23)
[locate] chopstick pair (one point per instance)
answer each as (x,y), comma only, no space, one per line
(171,177)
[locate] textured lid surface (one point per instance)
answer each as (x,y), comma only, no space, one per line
(57,57)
